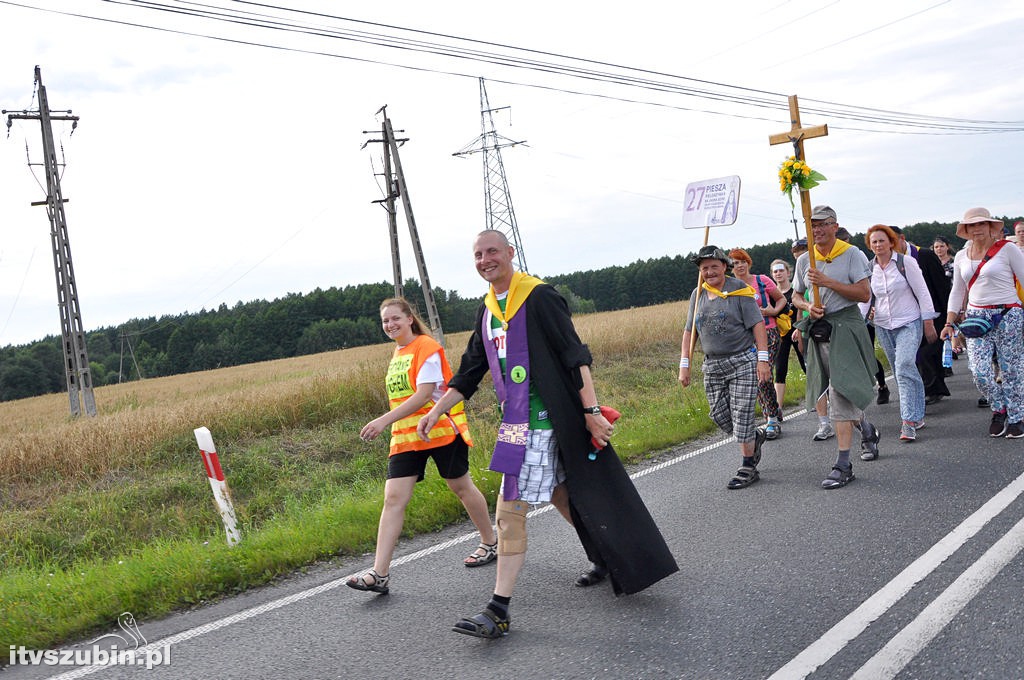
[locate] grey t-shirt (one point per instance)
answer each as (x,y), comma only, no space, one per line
(724,324)
(850,267)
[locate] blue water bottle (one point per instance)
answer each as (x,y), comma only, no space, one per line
(947,354)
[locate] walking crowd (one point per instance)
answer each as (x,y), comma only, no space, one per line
(839,302)
(553,444)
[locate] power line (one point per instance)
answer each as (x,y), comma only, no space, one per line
(861,35)
(889,121)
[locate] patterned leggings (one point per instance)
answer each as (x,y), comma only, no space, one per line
(1005,341)
(766,396)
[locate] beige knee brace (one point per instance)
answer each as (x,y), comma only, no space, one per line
(511,519)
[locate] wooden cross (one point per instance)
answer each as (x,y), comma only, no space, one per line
(796,136)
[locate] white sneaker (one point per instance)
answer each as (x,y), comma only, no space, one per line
(825,431)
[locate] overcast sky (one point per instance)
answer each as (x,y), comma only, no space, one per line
(211,171)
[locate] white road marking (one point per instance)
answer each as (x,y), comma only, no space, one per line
(841,634)
(909,642)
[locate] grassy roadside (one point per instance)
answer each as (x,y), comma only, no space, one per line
(122,519)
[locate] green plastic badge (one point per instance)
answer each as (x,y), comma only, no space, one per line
(518,374)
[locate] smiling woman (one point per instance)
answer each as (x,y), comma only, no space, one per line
(417,376)
(771,302)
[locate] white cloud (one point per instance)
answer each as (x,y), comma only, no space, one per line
(206,172)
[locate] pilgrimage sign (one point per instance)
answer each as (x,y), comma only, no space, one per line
(710,203)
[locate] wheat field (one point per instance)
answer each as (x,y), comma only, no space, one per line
(39,440)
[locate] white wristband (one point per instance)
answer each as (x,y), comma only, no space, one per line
(684,362)
(762,355)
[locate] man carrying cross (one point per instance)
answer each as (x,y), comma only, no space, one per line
(840,356)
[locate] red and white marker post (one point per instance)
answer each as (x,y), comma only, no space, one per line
(219,485)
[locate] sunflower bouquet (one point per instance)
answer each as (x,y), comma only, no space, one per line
(794,173)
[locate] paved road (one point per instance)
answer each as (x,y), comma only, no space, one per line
(912,571)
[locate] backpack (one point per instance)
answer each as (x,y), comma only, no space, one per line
(901,268)
(784,320)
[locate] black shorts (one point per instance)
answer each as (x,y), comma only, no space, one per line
(452,461)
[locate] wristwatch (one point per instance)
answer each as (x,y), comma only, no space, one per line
(592,410)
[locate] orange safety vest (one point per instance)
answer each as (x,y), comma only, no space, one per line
(401,384)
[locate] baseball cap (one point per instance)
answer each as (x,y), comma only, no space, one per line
(823,212)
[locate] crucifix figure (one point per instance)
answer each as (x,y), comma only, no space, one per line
(796,136)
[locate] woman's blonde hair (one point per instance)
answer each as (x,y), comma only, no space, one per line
(417,323)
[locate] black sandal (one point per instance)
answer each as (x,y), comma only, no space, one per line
(591,577)
(490,554)
(379,585)
(486,624)
(743,478)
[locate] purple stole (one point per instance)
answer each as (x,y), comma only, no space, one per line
(514,395)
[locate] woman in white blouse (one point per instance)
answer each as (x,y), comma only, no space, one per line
(901,310)
(991,294)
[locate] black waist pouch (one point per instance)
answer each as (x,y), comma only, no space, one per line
(820,330)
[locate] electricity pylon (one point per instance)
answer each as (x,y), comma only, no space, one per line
(498,211)
(76,359)
(397,188)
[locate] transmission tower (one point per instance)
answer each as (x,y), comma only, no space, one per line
(76,359)
(498,212)
(397,188)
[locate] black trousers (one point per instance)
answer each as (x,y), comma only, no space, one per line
(880,372)
(929,365)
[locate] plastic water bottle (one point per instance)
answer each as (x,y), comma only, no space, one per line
(947,354)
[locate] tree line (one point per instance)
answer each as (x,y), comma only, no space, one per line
(337,318)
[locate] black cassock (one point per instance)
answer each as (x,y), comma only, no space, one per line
(929,355)
(613,524)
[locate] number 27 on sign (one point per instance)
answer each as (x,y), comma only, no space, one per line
(695,195)
(711,202)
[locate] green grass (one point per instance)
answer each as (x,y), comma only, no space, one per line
(146,537)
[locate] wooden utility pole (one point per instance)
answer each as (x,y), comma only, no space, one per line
(796,136)
(396,260)
(398,188)
(76,359)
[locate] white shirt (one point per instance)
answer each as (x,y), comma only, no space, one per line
(900,301)
(995,283)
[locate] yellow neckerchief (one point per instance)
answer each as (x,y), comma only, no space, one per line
(518,290)
(746,291)
(838,248)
